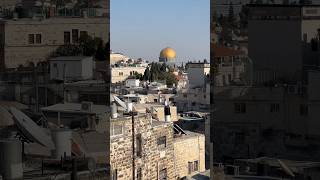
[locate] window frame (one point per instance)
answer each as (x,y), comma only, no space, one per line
(240,108)
(31,39)
(36,38)
(112,134)
(162,142)
(66,37)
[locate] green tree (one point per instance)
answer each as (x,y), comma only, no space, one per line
(147,74)
(138,75)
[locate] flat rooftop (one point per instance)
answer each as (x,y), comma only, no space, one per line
(76,108)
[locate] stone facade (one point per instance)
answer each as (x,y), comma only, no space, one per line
(120,74)
(157,153)
(15,45)
(189,149)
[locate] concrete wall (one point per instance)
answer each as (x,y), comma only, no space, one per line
(66,69)
(273,49)
(197,74)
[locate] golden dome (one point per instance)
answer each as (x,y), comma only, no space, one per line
(168,53)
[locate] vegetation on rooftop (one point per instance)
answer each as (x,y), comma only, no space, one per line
(87,46)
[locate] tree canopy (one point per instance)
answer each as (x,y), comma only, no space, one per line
(160,72)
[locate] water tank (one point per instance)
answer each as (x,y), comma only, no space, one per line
(130,106)
(62,140)
(11,159)
(114,111)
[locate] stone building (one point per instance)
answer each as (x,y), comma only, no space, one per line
(141,147)
(230,65)
(32,40)
(189,154)
(120,74)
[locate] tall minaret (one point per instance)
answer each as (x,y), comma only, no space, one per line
(167,113)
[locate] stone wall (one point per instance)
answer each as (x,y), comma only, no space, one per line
(17,49)
(189,148)
(152,159)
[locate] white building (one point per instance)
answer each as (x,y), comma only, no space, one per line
(194,99)
(71,68)
(117,57)
(197,74)
(230,66)
(132,83)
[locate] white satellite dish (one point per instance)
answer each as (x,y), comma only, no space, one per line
(121,103)
(31,130)
(5,117)
(127,106)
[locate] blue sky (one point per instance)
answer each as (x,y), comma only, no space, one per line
(141,28)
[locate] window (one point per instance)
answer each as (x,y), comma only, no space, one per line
(162,142)
(120,73)
(38,38)
(139,174)
(304,109)
(66,37)
(54,65)
(185,95)
(155,100)
(193,104)
(116,129)
(83,33)
(75,35)
(305,37)
(163,174)
(274,107)
(239,107)
(229,78)
(139,145)
(114,175)
(31,38)
(190,167)
(196,165)
(239,138)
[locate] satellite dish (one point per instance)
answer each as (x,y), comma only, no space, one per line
(31,130)
(6,117)
(121,103)
(285,168)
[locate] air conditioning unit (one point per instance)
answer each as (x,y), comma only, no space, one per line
(86,106)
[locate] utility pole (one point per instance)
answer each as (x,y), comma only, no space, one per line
(133,146)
